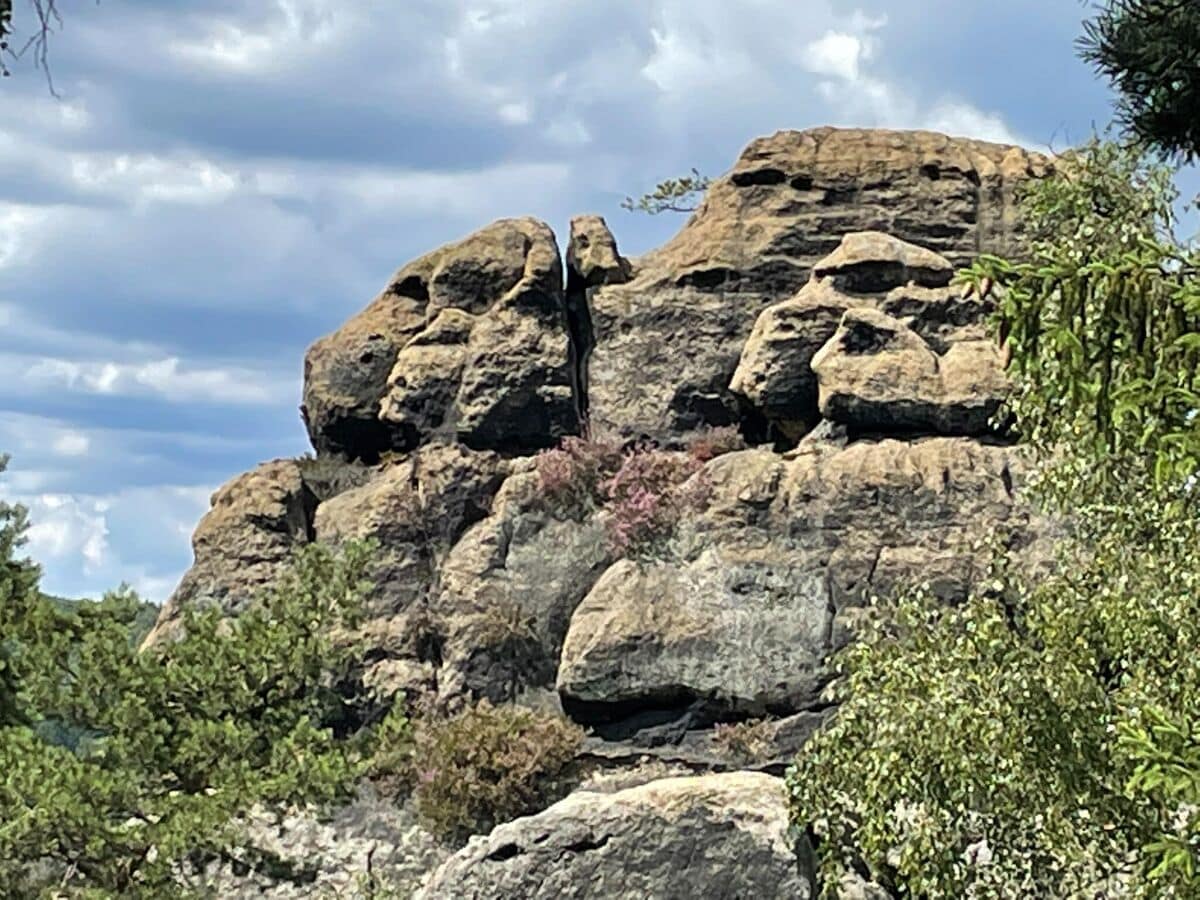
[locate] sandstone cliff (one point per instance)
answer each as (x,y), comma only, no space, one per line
(808,304)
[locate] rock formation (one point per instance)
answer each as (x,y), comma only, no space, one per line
(809,304)
(710,836)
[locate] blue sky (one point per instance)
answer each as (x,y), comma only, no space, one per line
(223,182)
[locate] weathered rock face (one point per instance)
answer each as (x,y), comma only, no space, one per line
(711,836)
(244,540)
(774,571)
(810,303)
(368,838)
(508,591)
(882,318)
(877,375)
(667,343)
(469,341)
(415,510)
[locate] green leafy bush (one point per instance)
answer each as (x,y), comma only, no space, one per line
(490,764)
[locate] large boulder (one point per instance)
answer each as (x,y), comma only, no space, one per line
(718,836)
(243,542)
(873,277)
(775,571)
(878,375)
(468,342)
(667,342)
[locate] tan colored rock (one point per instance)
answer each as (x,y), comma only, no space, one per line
(592,253)
(870,271)
(667,343)
(243,542)
(416,509)
(870,262)
(507,381)
(742,620)
(424,381)
(702,836)
(878,375)
(774,373)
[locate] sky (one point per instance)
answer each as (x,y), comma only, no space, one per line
(221,182)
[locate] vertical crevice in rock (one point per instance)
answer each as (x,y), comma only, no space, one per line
(582,338)
(592,262)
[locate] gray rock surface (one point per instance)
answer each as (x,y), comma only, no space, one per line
(369,840)
(717,836)
(769,581)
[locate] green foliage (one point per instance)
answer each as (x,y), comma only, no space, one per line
(20,601)
(180,740)
(391,763)
(672,195)
(490,764)
(1065,761)
(1103,319)
(1147,50)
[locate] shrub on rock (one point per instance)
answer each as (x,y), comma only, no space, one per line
(490,764)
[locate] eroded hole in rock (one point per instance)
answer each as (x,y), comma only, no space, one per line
(759,176)
(412,287)
(861,338)
(504,852)
(363,440)
(710,279)
(931,171)
(586,844)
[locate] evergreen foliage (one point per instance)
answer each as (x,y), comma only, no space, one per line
(673,195)
(169,747)
(1150,52)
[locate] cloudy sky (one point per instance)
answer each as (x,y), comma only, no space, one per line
(222,181)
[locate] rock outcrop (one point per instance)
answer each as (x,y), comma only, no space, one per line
(878,375)
(788,550)
(809,304)
(244,540)
(667,343)
(469,341)
(718,836)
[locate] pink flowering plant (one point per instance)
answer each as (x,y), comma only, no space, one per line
(648,496)
(644,490)
(570,475)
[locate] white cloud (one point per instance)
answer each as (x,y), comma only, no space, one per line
(145,177)
(71,443)
(836,54)
(516,113)
(296,30)
(89,543)
(167,378)
(68,530)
